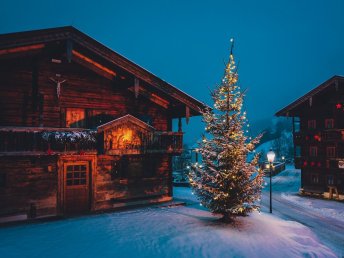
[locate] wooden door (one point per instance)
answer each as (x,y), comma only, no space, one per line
(76,187)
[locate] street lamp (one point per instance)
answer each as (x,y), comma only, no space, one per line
(271,156)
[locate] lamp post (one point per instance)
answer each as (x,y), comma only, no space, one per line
(271,156)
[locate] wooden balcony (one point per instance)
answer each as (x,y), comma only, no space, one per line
(333,135)
(157,142)
(128,135)
(33,140)
(37,140)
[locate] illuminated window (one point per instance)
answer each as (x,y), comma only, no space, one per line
(75,117)
(329,123)
(331,152)
(313,151)
(311,124)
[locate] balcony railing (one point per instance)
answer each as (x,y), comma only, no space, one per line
(157,142)
(333,135)
(321,136)
(50,140)
(61,140)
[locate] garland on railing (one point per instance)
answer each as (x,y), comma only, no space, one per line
(83,137)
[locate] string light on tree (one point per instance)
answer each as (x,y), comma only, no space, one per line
(227,183)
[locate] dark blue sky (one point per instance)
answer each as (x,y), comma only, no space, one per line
(285,48)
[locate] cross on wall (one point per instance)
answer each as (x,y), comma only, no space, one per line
(58,84)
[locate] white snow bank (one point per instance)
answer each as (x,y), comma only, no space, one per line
(325,208)
(162,232)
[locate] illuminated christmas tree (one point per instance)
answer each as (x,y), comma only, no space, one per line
(228,182)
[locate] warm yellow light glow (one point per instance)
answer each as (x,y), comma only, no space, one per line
(127,135)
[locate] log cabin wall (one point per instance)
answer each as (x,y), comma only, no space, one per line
(96,85)
(28,180)
(29,96)
(117,183)
(320,141)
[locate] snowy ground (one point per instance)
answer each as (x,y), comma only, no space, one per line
(189,231)
(324,217)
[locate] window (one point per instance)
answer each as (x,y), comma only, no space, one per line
(96,118)
(311,124)
(331,152)
(76,174)
(75,117)
(329,123)
(146,118)
(297,124)
(314,179)
(313,151)
(330,180)
(2,180)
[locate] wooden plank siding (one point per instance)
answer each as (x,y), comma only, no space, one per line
(111,190)
(42,164)
(320,171)
(83,89)
(28,180)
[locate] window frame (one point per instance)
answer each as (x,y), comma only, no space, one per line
(331,151)
(316,177)
(78,124)
(327,120)
(311,154)
(312,124)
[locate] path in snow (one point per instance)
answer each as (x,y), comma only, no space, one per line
(324,217)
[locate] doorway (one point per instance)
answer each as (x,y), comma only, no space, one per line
(76,187)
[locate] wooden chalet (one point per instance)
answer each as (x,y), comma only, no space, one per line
(318,128)
(82,128)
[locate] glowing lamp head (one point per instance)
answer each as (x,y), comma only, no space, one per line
(271,156)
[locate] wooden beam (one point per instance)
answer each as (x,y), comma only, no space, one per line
(21,49)
(152,96)
(94,63)
(69,49)
(187,114)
